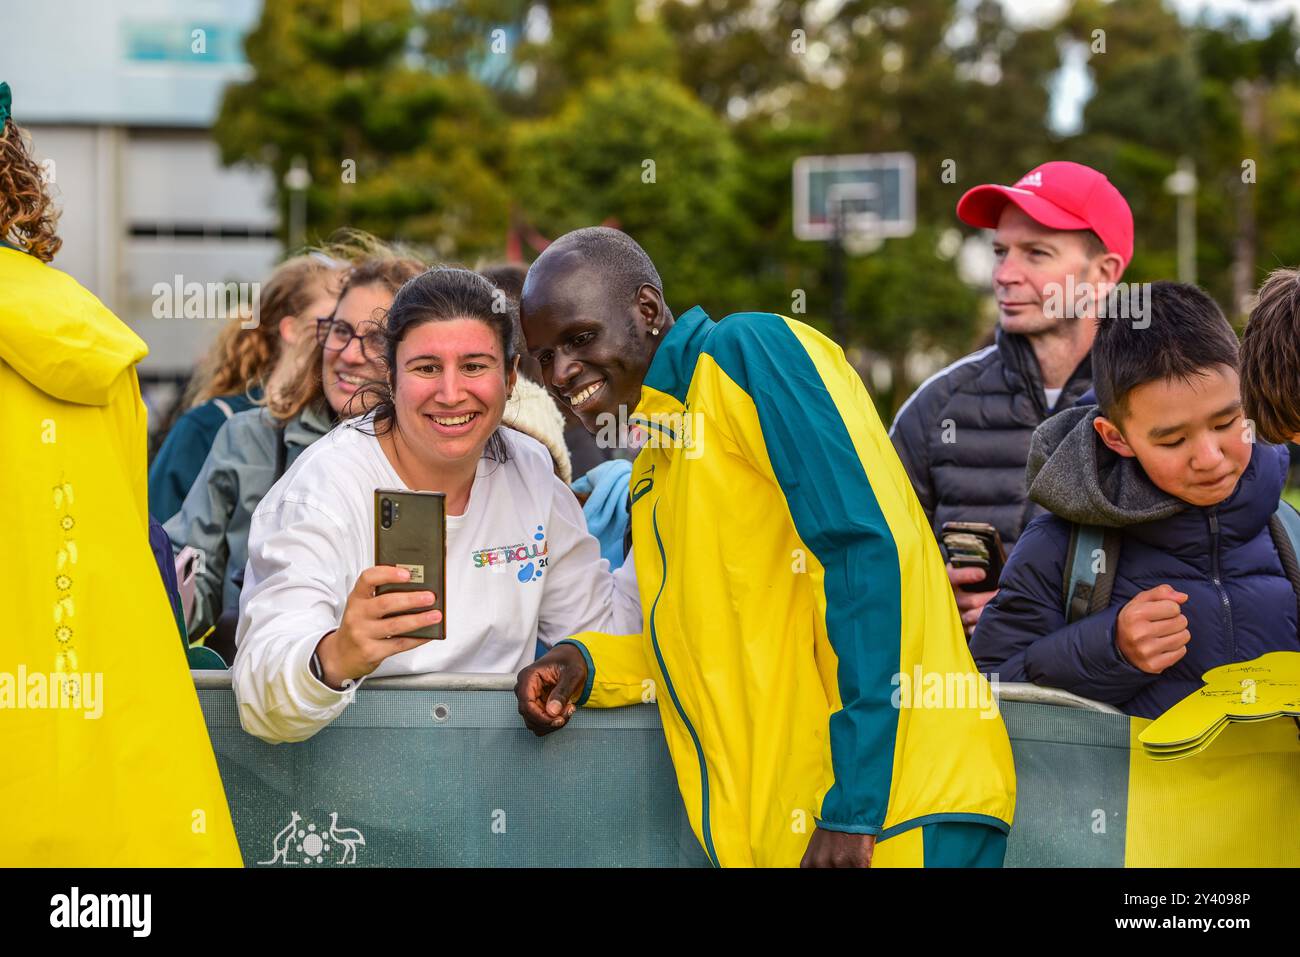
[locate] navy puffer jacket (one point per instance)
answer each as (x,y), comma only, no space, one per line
(964,435)
(1240,603)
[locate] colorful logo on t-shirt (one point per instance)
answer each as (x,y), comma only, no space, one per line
(532,555)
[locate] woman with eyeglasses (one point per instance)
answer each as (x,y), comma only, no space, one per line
(520,564)
(254,448)
(232,377)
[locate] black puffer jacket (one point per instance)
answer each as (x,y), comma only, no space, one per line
(964,435)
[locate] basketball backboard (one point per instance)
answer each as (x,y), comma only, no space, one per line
(873,192)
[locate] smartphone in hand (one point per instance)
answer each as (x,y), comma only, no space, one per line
(411,533)
(975,545)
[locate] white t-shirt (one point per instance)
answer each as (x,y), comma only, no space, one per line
(520,565)
(1053,396)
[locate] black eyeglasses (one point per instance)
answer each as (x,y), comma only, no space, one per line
(336,334)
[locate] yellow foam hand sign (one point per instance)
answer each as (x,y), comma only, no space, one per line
(1258,690)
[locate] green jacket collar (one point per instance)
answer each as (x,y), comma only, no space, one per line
(671,370)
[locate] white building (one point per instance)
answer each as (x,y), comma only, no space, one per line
(120,96)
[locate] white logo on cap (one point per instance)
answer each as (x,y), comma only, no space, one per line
(1031,179)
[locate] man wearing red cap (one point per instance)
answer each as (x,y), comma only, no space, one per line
(1063,235)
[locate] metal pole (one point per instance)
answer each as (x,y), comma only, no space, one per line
(296,180)
(1187,238)
(1182,184)
(297,218)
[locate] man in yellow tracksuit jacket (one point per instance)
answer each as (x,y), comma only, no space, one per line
(790,583)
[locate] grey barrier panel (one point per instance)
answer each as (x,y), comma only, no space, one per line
(1072,786)
(449,777)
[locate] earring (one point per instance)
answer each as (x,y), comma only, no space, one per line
(654,331)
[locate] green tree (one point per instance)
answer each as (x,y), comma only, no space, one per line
(732,51)
(593,40)
(1278,189)
(1246,77)
(641,152)
(395,144)
(905,298)
(1145,113)
(1214,93)
(930,78)
(911,81)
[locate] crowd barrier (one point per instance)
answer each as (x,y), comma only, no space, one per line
(437,770)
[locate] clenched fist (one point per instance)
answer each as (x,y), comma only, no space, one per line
(1151,631)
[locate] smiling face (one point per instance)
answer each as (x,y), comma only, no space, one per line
(593,353)
(1034,266)
(1190,437)
(450,390)
(344,372)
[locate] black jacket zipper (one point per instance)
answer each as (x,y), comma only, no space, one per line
(1213,516)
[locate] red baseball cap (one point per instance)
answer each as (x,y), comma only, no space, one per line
(1058,195)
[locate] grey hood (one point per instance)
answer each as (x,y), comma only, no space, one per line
(1072,474)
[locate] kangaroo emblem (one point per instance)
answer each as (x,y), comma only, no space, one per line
(280,845)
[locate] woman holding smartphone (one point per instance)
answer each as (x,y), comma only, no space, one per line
(254,448)
(520,564)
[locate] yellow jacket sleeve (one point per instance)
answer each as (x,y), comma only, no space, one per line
(618,672)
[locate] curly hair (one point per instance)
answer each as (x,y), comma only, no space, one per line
(27,212)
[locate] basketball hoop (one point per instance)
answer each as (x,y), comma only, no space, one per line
(854,217)
(853,203)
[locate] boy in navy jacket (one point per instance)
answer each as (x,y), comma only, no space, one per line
(1167,458)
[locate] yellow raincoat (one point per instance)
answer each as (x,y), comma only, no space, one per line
(107,761)
(801,637)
